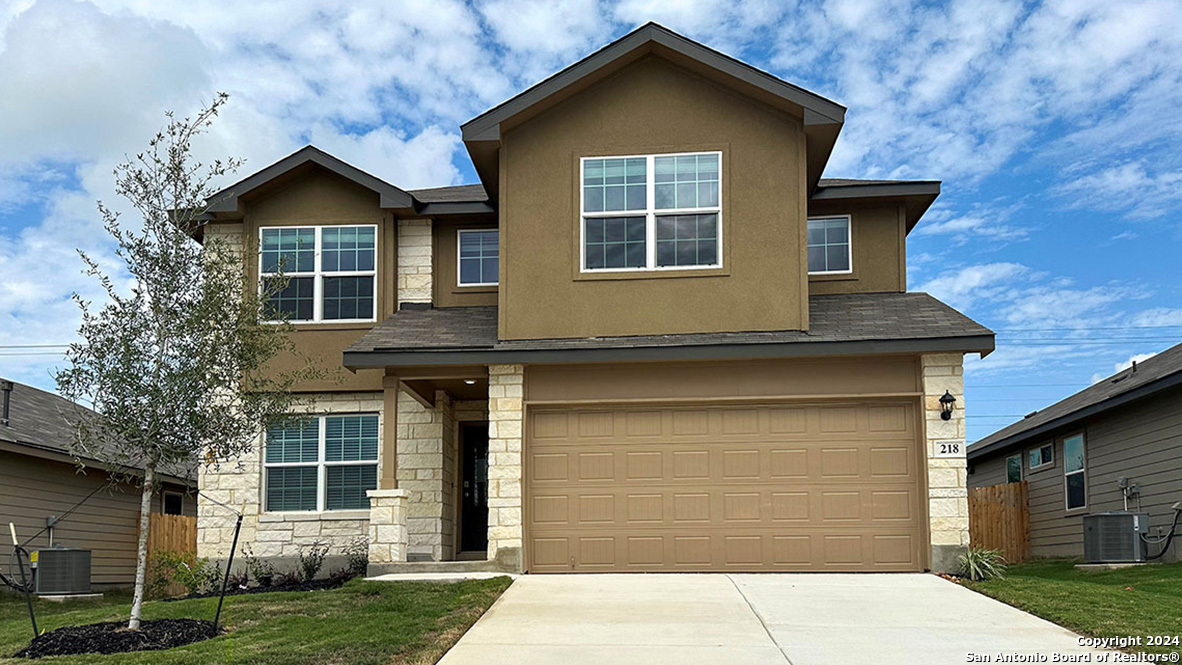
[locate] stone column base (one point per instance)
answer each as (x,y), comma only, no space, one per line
(387,526)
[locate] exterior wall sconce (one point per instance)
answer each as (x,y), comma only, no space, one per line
(946,404)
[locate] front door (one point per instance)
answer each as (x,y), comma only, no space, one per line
(474,500)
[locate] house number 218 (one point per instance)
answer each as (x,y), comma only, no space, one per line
(949,448)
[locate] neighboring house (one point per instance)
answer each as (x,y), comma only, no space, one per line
(1074,453)
(652,338)
(39,480)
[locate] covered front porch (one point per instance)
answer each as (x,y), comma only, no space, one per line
(449,486)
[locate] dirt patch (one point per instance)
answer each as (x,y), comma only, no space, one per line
(113,637)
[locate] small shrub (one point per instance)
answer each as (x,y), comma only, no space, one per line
(290,578)
(238,580)
(312,559)
(160,567)
(260,569)
(341,575)
(197,575)
(357,556)
(979,564)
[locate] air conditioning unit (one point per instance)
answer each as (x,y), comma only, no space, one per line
(1115,537)
(61,571)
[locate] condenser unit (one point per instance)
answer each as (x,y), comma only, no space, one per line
(61,571)
(1115,537)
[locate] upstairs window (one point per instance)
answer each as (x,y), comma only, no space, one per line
(1014,469)
(321,463)
(479,260)
(331,272)
(651,212)
(829,246)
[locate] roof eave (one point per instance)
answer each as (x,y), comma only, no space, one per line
(982,344)
(1066,420)
(917,195)
(389,196)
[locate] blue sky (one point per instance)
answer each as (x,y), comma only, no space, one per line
(1054,126)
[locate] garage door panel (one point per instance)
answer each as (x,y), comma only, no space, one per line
(770,487)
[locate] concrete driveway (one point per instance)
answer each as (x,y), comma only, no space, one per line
(802,619)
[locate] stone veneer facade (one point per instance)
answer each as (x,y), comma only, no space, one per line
(506,412)
(414,260)
(948,504)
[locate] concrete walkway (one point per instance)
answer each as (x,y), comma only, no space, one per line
(750,619)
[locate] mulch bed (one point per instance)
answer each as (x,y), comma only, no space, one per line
(314,585)
(113,637)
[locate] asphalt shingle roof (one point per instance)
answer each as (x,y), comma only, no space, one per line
(833,318)
(40,419)
(1164,365)
(453,194)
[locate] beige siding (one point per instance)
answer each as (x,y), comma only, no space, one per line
(33,489)
(1142,442)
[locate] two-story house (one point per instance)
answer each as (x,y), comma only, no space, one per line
(652,338)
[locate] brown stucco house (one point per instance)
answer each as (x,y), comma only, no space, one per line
(651,338)
(1114,446)
(41,480)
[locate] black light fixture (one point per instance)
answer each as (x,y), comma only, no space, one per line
(946,404)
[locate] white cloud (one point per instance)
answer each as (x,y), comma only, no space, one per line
(1130,186)
(1158,317)
(421,161)
(967,286)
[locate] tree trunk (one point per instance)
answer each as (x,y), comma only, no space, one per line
(141,557)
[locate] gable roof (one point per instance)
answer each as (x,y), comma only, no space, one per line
(45,422)
(839,324)
(822,117)
(389,196)
(1140,381)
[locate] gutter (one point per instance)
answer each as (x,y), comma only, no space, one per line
(1137,393)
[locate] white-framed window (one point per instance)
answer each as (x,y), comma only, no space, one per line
(830,245)
(331,271)
(1075,484)
(478,257)
(1014,468)
(321,463)
(172,503)
(1042,456)
(651,212)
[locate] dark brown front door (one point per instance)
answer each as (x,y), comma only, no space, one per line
(474,499)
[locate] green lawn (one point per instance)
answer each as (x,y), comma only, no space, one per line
(360,623)
(1146,600)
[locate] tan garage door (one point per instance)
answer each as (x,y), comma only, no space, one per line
(746,488)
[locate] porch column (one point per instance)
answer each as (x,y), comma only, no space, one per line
(388,504)
(389,479)
(506,413)
(948,504)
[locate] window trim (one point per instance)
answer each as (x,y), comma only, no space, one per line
(1042,465)
(650,214)
(318,275)
(849,234)
(320,464)
(1020,467)
(460,232)
(164,501)
(1083,441)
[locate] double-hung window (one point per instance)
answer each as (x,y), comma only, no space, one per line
(321,463)
(651,212)
(331,272)
(1014,468)
(479,259)
(1074,472)
(829,245)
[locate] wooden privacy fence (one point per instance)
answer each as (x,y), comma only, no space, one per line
(999,519)
(177,533)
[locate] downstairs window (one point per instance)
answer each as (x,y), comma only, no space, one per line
(321,463)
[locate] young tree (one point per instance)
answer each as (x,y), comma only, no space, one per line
(175,364)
